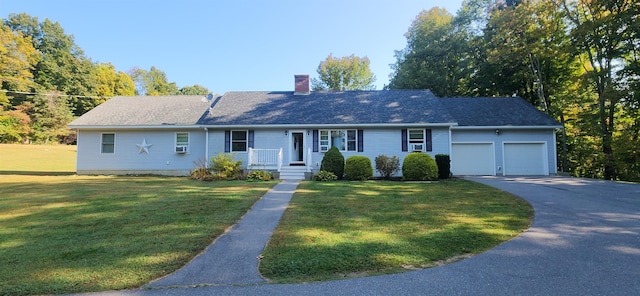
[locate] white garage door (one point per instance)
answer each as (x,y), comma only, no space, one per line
(472,159)
(525,159)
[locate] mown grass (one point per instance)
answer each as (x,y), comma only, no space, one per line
(65,234)
(37,159)
(334,230)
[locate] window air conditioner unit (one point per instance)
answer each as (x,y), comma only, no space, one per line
(417,147)
(181,149)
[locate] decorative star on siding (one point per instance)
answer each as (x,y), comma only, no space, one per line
(144,147)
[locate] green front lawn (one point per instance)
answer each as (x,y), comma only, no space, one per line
(37,159)
(334,230)
(65,234)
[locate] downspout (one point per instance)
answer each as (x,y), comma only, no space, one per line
(206,146)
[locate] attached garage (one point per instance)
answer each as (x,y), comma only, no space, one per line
(472,159)
(525,159)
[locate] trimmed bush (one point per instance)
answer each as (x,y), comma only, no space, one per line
(444,166)
(419,166)
(325,176)
(333,161)
(226,167)
(259,176)
(358,168)
(387,166)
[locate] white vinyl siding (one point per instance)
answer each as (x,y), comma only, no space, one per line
(108,144)
(127,158)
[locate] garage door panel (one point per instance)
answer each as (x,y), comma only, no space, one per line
(525,159)
(472,159)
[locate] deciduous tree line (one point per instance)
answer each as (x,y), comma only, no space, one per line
(46,80)
(577,60)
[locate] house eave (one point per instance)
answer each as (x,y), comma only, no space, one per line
(520,127)
(133,127)
(337,125)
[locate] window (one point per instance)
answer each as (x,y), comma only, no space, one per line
(416,140)
(238,141)
(344,140)
(108,143)
(182,142)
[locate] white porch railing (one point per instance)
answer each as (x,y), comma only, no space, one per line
(309,162)
(265,158)
(272,159)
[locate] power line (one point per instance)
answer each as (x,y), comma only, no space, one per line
(60,95)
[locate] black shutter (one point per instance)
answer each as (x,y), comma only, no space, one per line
(227,141)
(405,144)
(315,141)
(429,142)
(250,143)
(360,141)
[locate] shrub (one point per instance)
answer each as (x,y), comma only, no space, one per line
(200,172)
(387,166)
(259,176)
(226,167)
(419,166)
(325,176)
(333,161)
(358,168)
(444,166)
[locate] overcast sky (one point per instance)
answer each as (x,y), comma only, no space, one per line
(233,45)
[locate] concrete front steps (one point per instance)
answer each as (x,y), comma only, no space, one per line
(292,172)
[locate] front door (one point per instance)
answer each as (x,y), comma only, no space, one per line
(297,148)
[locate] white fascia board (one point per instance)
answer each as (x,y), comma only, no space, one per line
(488,127)
(132,127)
(322,126)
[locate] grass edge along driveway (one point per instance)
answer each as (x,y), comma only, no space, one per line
(69,234)
(334,230)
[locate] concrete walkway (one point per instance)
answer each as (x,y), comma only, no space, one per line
(232,258)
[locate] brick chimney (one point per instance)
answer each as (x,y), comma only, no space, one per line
(302,85)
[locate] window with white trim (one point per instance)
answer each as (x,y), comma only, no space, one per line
(108,143)
(416,139)
(344,140)
(182,142)
(239,140)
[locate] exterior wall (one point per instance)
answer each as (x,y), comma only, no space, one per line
(376,141)
(162,158)
(127,158)
(509,136)
(263,139)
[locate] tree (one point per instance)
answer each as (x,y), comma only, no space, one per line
(62,67)
(15,126)
(434,56)
(194,90)
(153,82)
(345,73)
(599,34)
(17,59)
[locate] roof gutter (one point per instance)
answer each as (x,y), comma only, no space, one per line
(487,127)
(342,125)
(132,127)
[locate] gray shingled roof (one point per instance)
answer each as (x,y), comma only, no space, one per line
(334,107)
(318,108)
(145,111)
(506,111)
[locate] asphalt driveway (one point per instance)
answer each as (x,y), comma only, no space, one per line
(585,240)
